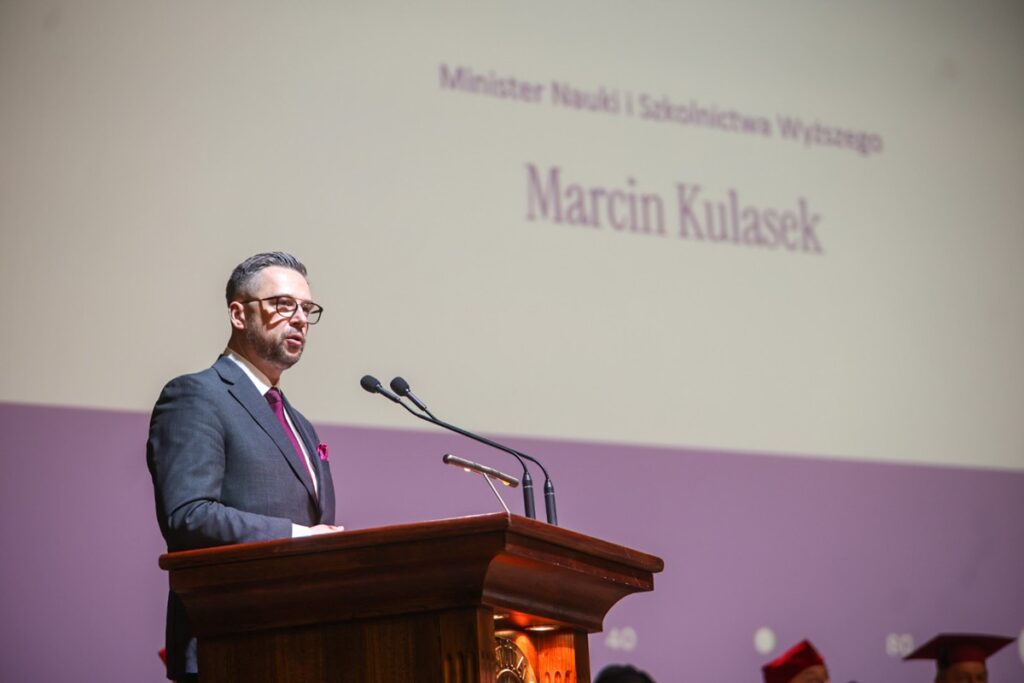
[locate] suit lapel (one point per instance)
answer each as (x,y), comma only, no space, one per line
(245,392)
(307,440)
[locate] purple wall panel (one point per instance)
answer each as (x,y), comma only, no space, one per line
(845,553)
(83,596)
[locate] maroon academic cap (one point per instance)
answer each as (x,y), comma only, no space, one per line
(950,648)
(787,665)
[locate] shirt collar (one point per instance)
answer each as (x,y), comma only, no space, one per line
(261,381)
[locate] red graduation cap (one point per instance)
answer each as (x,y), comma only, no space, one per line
(787,665)
(951,648)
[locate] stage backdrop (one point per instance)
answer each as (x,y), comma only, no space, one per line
(745,276)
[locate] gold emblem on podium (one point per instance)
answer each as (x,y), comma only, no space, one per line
(513,666)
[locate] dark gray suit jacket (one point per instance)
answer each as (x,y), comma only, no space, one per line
(225,472)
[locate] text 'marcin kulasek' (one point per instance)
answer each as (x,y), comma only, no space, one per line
(698,216)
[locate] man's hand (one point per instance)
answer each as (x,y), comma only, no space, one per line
(325,529)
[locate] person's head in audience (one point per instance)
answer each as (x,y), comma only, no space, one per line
(960,657)
(622,673)
(799,664)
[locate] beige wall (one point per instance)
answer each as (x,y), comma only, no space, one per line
(145,148)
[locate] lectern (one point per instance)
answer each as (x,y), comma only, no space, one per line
(477,599)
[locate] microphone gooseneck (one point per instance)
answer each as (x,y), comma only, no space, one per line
(401,387)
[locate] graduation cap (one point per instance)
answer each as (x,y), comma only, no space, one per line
(790,663)
(951,648)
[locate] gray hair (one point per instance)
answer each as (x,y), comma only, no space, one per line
(245,271)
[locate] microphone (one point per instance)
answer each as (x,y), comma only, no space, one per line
(527,480)
(470,466)
(402,388)
(373,385)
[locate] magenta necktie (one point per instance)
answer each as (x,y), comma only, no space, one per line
(276,402)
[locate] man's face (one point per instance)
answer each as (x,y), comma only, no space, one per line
(964,672)
(812,674)
(276,340)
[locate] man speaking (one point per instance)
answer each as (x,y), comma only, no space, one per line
(231,460)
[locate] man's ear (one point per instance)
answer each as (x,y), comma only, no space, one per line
(236,311)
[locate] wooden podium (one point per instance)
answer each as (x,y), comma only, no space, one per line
(468,600)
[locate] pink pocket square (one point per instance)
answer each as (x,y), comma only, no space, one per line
(321,450)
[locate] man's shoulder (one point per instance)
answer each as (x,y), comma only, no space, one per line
(222,373)
(205,392)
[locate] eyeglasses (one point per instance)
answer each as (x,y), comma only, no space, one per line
(288,306)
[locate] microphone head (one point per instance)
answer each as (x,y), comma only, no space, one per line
(370,383)
(400,386)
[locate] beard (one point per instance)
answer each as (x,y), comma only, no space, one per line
(272,349)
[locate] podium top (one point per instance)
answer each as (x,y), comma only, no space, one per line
(531,572)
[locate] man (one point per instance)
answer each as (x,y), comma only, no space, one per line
(960,657)
(231,460)
(800,664)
